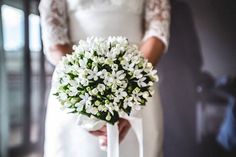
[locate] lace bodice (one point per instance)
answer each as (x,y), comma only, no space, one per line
(55,17)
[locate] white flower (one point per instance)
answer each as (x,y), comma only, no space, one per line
(101,60)
(73,91)
(120,94)
(65,80)
(63,96)
(150,83)
(114,87)
(128,102)
(80,72)
(79,80)
(118,76)
(153,74)
(123,84)
(110,108)
(128,57)
(97,103)
(109,61)
(136,95)
(88,54)
(93,74)
(128,66)
(102,108)
(75,68)
(84,82)
(85,100)
(149,65)
(137,73)
(145,95)
(111,55)
(79,107)
(135,59)
(114,67)
(95,59)
(67,104)
(101,87)
(155,78)
(74,83)
(116,108)
(65,69)
(122,40)
(141,82)
(108,81)
(83,63)
(69,57)
(94,91)
(103,73)
(117,40)
(84,45)
(93,110)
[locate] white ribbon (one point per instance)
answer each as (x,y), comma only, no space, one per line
(112,140)
(113,137)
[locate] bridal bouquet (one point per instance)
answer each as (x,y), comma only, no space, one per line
(104,79)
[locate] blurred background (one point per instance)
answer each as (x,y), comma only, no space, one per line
(197,80)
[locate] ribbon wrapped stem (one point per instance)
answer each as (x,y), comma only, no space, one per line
(113,137)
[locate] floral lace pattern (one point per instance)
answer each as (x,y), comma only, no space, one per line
(53,21)
(157,20)
(54,17)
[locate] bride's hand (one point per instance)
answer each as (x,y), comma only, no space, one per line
(152,49)
(57,51)
(123,125)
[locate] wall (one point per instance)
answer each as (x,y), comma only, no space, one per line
(202,39)
(215,23)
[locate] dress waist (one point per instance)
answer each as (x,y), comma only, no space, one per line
(84,24)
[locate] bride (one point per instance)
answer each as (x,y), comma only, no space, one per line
(64,23)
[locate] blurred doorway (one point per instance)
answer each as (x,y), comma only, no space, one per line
(24,76)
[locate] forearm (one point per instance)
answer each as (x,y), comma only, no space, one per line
(152,49)
(57,51)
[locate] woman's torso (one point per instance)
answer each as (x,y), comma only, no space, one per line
(103,18)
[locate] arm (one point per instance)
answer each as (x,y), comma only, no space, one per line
(156,35)
(57,51)
(55,36)
(152,49)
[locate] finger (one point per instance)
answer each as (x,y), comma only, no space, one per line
(123,133)
(104,141)
(98,133)
(104,128)
(122,123)
(124,127)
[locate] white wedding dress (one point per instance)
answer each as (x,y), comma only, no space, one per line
(68,21)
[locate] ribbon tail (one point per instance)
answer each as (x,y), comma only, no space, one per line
(137,126)
(112,140)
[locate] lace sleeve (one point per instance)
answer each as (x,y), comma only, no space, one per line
(54,23)
(157,20)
